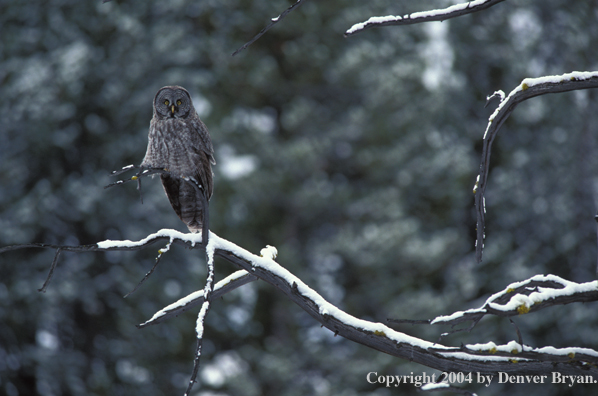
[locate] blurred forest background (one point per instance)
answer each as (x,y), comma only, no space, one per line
(355,157)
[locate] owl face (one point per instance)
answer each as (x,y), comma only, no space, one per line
(172,102)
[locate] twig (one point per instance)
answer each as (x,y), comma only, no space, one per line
(97,247)
(151,271)
(273,22)
(497,94)
(143,172)
(519,336)
(423,16)
(51,272)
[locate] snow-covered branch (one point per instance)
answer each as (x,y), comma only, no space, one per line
(528,88)
(423,16)
(231,282)
(482,359)
(530,295)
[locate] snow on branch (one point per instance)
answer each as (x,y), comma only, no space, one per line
(423,16)
(519,298)
(231,282)
(568,361)
(528,88)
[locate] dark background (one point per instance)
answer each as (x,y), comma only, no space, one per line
(355,157)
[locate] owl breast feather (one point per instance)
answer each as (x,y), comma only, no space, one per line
(172,145)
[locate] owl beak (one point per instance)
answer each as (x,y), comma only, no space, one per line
(172,109)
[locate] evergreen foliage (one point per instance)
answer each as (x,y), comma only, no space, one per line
(355,157)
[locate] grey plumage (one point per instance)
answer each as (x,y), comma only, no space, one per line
(179,142)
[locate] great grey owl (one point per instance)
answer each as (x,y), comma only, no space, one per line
(179,142)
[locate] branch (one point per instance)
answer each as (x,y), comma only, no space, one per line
(529,88)
(201,317)
(101,246)
(453,11)
(143,172)
(231,282)
(519,298)
(273,22)
(567,361)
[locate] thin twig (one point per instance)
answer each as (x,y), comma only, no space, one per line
(273,22)
(143,172)
(51,272)
(519,336)
(151,271)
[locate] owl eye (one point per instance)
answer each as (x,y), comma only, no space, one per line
(178,102)
(166,102)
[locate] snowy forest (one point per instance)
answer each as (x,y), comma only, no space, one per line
(355,153)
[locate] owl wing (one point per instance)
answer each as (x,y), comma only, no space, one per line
(194,156)
(203,155)
(185,149)
(186,200)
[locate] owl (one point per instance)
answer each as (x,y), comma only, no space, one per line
(179,142)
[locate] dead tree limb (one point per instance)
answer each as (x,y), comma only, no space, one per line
(485,360)
(527,89)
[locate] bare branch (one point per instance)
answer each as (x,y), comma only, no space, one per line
(273,22)
(453,11)
(51,272)
(143,172)
(99,247)
(151,271)
(519,336)
(528,88)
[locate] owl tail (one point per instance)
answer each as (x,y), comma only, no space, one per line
(186,200)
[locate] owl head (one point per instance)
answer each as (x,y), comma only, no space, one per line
(172,102)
